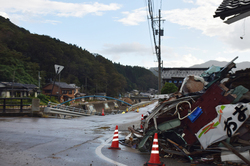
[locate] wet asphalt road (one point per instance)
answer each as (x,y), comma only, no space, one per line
(79,141)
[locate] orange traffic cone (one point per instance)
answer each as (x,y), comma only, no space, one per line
(154,158)
(115,142)
(141,120)
(103,112)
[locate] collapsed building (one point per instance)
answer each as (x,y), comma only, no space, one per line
(207,120)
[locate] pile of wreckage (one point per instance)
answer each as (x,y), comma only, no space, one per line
(206,121)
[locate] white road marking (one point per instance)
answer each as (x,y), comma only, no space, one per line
(98,151)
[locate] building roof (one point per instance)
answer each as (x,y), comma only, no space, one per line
(169,73)
(185,68)
(64,85)
(30,86)
(16,85)
(74,86)
(232,8)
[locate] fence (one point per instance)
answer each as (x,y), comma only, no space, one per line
(15,104)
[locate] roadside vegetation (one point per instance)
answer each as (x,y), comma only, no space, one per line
(44,100)
(169,88)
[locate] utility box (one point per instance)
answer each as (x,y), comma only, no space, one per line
(35,105)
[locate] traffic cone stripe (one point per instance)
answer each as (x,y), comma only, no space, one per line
(155,140)
(155,146)
(155,151)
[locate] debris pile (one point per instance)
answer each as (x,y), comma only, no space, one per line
(206,121)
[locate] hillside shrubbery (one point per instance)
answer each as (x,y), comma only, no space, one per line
(23,55)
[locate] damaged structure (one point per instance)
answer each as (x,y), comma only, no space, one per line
(206,121)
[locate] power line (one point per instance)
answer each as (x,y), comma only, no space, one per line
(159,32)
(149,28)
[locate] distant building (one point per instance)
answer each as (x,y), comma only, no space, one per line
(135,92)
(62,91)
(9,89)
(77,88)
(176,75)
(152,91)
(77,92)
(127,94)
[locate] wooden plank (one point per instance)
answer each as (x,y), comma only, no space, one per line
(235,152)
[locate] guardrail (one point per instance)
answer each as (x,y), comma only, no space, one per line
(66,110)
(77,112)
(141,104)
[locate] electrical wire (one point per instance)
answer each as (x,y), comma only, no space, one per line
(151,8)
(151,14)
(189,112)
(149,28)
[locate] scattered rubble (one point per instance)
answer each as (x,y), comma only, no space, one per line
(206,121)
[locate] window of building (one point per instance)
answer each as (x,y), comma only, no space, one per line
(170,81)
(64,92)
(70,91)
(47,91)
(175,81)
(180,81)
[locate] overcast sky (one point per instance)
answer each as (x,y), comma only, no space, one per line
(120,31)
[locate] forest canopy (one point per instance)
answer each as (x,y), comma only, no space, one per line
(23,55)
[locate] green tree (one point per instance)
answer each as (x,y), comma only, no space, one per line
(23,55)
(169,88)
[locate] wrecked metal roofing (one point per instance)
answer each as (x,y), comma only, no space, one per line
(232,7)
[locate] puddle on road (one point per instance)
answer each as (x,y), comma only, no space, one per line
(6,120)
(103,128)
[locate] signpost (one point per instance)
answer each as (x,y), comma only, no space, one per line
(58,69)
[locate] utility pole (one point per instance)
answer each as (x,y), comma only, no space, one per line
(159,54)
(86,85)
(12,91)
(39,79)
(158,32)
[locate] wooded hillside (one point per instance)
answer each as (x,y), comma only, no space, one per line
(23,55)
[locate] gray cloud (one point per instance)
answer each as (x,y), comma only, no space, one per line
(134,17)
(126,48)
(201,18)
(61,9)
